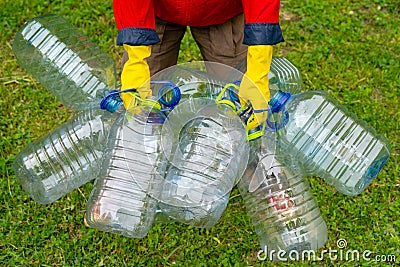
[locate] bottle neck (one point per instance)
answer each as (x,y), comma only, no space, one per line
(279,100)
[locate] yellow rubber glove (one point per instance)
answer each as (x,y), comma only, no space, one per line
(254,86)
(136,74)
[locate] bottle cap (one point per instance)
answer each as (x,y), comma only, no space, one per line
(278,101)
(111,102)
(169,94)
(374,169)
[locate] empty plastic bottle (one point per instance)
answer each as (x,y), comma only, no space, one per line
(66,158)
(65,61)
(124,197)
(329,141)
(283,75)
(280,203)
(210,157)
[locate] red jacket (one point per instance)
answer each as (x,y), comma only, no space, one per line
(135,19)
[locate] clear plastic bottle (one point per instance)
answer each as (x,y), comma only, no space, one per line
(280,202)
(207,79)
(124,197)
(283,75)
(210,157)
(65,61)
(66,158)
(329,141)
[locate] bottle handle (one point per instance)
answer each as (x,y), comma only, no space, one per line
(168,96)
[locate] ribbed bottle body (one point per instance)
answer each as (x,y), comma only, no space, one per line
(280,203)
(210,157)
(333,143)
(65,158)
(125,195)
(65,61)
(284,76)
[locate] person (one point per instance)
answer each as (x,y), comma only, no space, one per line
(225,31)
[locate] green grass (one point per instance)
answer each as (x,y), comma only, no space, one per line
(350,50)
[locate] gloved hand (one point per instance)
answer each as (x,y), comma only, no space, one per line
(254,86)
(136,74)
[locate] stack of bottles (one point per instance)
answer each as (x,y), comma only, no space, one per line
(79,74)
(178,155)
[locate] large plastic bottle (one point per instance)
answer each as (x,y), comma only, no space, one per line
(280,203)
(329,141)
(125,195)
(211,155)
(65,61)
(65,158)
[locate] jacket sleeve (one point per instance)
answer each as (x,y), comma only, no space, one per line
(135,21)
(262,22)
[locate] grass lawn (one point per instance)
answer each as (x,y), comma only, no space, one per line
(351,51)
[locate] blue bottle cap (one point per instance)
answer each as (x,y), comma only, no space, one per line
(278,101)
(374,169)
(169,95)
(111,102)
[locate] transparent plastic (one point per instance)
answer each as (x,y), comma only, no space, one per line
(197,79)
(331,142)
(65,61)
(283,75)
(207,79)
(280,202)
(66,158)
(210,156)
(124,197)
